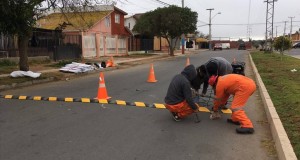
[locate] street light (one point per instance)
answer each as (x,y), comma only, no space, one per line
(210,18)
(215,15)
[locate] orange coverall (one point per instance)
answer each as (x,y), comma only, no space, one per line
(241,88)
(182,109)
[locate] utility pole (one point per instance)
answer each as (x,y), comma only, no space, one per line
(291,27)
(210,9)
(283,37)
(284,28)
(269,23)
(182,35)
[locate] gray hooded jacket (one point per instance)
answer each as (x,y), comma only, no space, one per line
(180,87)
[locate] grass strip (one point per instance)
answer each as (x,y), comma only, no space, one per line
(283,85)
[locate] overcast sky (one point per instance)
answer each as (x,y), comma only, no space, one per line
(234,18)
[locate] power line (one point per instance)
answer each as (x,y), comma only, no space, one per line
(161,2)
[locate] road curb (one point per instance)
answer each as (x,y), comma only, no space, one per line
(283,145)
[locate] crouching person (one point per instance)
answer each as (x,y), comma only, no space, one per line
(241,88)
(179,100)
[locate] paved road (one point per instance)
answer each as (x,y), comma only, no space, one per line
(34,130)
(294,52)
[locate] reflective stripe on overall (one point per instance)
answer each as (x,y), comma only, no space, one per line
(239,101)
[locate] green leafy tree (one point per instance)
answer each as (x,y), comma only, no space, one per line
(282,43)
(18,17)
(168,22)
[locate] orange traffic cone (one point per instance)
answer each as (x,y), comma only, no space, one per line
(151,77)
(102,93)
(112,61)
(108,63)
(187,61)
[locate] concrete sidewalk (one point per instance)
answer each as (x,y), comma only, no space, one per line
(120,60)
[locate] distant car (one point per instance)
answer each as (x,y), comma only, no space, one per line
(297,45)
(218,46)
(242,46)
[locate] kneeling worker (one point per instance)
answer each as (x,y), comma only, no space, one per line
(242,88)
(179,100)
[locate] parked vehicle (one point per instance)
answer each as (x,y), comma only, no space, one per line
(242,46)
(225,45)
(218,46)
(297,45)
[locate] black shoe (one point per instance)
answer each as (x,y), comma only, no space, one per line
(243,130)
(233,122)
(175,116)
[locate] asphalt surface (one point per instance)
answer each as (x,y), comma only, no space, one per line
(36,130)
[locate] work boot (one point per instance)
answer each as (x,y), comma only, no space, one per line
(233,122)
(244,130)
(175,116)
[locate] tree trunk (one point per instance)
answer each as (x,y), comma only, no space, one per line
(171,51)
(171,48)
(23,45)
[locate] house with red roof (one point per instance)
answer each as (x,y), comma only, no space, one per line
(99,31)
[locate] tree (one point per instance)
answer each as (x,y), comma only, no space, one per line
(18,18)
(200,34)
(282,43)
(168,22)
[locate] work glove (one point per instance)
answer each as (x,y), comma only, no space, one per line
(215,115)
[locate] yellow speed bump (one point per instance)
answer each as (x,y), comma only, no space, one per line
(140,104)
(103,101)
(160,106)
(52,98)
(85,100)
(226,111)
(22,97)
(8,96)
(68,99)
(203,109)
(37,98)
(119,102)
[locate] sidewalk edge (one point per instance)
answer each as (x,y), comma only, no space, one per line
(283,145)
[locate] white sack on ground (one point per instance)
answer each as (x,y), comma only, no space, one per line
(24,73)
(75,67)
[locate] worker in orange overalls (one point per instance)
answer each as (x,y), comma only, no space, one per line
(241,88)
(179,98)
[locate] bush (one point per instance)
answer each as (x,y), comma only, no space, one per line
(7,62)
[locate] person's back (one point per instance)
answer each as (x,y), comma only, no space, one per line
(232,83)
(179,100)
(223,66)
(180,88)
(214,66)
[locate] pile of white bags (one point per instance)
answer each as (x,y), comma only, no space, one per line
(24,73)
(75,67)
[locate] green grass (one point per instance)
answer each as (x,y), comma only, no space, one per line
(284,89)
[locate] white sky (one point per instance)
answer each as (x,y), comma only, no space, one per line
(234,17)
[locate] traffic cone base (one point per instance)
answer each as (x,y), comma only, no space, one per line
(151,77)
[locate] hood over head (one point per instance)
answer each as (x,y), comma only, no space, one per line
(189,72)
